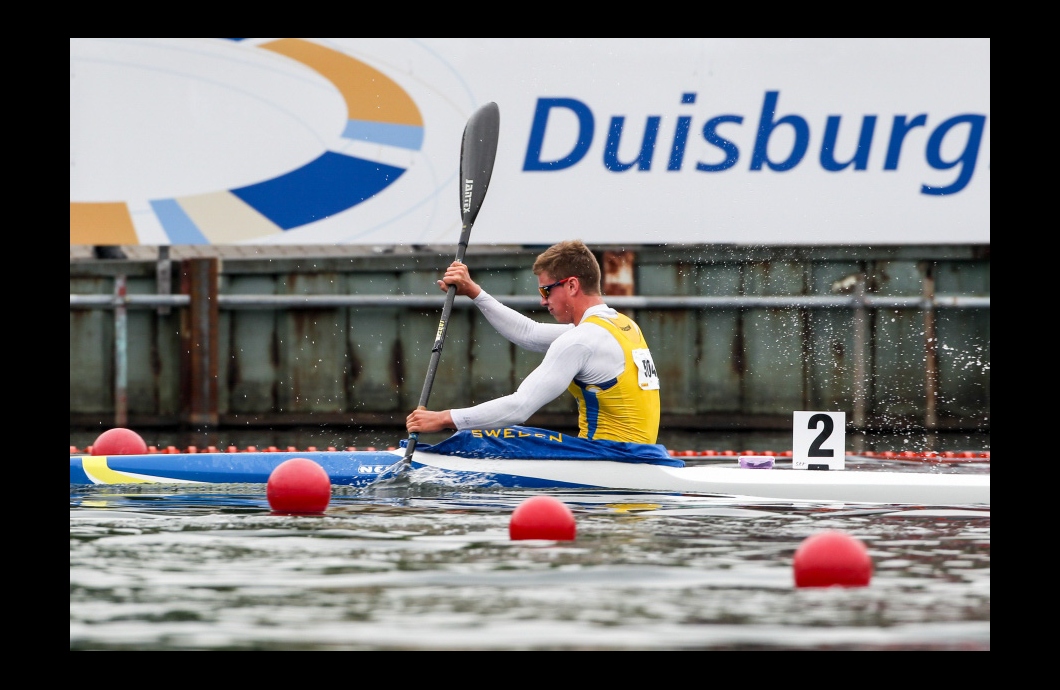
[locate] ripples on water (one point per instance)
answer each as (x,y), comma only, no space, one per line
(178,567)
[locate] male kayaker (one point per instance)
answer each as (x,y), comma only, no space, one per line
(595,352)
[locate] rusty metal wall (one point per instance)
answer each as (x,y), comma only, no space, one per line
(721,367)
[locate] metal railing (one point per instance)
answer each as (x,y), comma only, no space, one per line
(104,301)
(120,301)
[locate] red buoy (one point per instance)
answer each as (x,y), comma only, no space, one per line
(119,441)
(832,558)
(299,485)
(542,517)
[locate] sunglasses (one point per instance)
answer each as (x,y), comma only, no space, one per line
(546,289)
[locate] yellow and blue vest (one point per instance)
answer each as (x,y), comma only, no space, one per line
(625,408)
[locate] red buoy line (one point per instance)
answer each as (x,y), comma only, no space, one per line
(931,456)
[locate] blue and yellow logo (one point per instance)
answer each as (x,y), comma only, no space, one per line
(378,111)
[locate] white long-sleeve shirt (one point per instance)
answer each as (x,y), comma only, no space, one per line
(586,352)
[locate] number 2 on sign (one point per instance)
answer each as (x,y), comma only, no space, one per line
(818,440)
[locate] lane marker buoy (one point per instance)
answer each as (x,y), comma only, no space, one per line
(300,486)
(119,441)
(832,558)
(542,517)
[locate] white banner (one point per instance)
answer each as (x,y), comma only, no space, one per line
(612,141)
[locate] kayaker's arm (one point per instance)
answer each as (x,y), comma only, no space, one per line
(513,325)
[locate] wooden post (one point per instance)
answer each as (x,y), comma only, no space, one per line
(163,279)
(931,361)
(199,341)
(121,354)
(861,367)
(617,278)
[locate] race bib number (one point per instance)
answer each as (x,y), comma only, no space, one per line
(647,377)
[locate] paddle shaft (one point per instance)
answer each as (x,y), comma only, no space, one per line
(478,150)
(443,326)
(436,355)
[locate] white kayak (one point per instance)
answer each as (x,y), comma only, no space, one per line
(919,486)
(779,482)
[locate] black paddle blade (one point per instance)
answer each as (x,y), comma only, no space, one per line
(478,150)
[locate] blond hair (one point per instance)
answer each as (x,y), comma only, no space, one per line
(570,258)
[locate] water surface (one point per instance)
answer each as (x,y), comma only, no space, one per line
(178,567)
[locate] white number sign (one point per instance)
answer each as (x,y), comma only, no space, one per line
(818,440)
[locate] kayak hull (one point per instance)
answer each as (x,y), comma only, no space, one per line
(925,488)
(361,468)
(348,468)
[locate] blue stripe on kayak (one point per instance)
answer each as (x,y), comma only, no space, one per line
(347,468)
(323,187)
(77,472)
